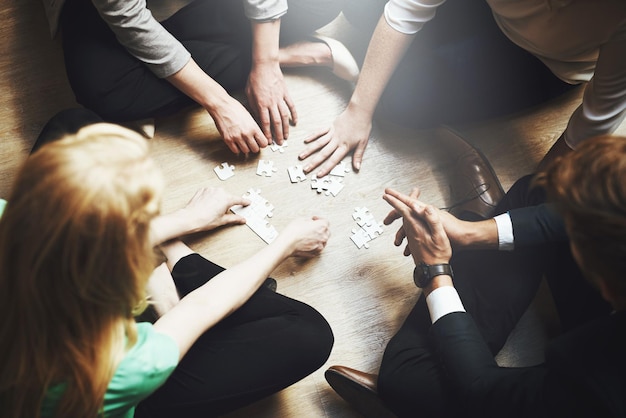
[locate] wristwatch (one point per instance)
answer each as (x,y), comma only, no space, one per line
(424,273)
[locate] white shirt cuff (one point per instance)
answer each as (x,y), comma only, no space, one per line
(442,301)
(505,232)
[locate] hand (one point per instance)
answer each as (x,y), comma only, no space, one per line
(270,101)
(209,209)
(239,130)
(459,232)
(421,224)
(349,131)
(309,236)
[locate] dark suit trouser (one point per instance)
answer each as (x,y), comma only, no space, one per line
(107,79)
(496,288)
(269,343)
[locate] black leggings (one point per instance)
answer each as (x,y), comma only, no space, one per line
(460,68)
(269,343)
(496,288)
(107,79)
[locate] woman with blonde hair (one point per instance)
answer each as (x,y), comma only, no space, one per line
(76,256)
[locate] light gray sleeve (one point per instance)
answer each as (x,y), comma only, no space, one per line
(409,16)
(143,36)
(264,10)
(604,102)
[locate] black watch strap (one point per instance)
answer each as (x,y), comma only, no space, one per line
(424,273)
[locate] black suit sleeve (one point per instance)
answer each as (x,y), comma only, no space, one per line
(535,225)
(487,390)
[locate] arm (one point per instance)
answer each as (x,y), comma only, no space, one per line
(604,102)
(266,88)
(147,40)
(352,128)
(226,292)
(394,33)
(481,385)
(206,210)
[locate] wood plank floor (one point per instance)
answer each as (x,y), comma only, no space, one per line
(364,293)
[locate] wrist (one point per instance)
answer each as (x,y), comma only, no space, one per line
(437,282)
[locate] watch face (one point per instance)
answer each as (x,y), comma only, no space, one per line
(421,275)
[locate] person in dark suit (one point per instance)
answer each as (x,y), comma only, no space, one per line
(441,361)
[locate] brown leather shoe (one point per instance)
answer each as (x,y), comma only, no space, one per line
(359,390)
(474,187)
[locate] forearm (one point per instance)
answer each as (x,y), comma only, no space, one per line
(386,49)
(222,295)
(265,43)
(169,226)
(197,84)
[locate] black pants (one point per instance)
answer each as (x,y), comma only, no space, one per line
(496,288)
(107,79)
(269,343)
(460,68)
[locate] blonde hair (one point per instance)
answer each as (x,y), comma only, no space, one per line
(74,260)
(589,187)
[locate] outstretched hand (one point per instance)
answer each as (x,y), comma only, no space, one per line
(330,145)
(426,237)
(270,101)
(308,235)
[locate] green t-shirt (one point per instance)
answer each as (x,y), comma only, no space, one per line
(3,203)
(146,366)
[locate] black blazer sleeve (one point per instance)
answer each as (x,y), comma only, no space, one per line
(537,225)
(561,388)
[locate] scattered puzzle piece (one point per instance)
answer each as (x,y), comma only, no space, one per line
(265,168)
(362,216)
(296,174)
(340,170)
(275,147)
(374,230)
(360,238)
(333,186)
(224,171)
(320,184)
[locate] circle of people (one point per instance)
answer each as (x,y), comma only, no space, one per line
(79,230)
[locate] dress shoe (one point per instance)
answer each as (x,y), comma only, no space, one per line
(344,64)
(359,390)
(474,187)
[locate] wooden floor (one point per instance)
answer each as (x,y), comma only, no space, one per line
(363,293)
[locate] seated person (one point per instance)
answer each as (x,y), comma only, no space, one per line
(441,361)
(77,253)
(422,70)
(126,66)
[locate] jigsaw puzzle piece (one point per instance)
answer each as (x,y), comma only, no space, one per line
(362,216)
(374,230)
(320,184)
(360,238)
(265,168)
(333,186)
(340,169)
(275,147)
(296,173)
(263,229)
(224,171)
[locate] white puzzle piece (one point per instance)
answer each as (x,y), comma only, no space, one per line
(296,174)
(362,216)
(265,168)
(374,230)
(281,148)
(320,184)
(256,213)
(333,186)
(360,238)
(340,169)
(224,171)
